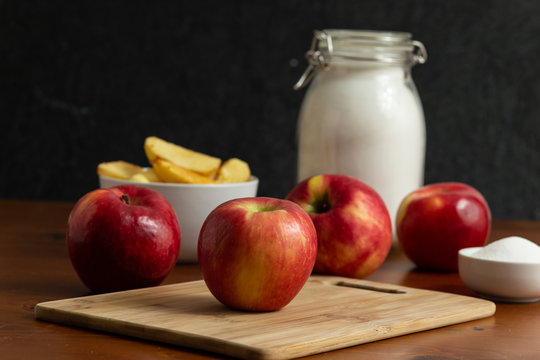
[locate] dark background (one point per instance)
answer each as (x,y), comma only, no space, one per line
(86,81)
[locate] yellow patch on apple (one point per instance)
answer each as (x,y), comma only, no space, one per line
(250,280)
(317,186)
(357,210)
(372,261)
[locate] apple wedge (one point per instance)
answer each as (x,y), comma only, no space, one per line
(232,171)
(118,169)
(155,148)
(146,176)
(172,173)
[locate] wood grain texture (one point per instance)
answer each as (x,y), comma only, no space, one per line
(329,313)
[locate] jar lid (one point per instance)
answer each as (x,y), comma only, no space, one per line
(338,45)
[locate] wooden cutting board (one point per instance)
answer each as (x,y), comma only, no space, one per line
(329,313)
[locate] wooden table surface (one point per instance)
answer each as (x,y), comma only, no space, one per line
(34,267)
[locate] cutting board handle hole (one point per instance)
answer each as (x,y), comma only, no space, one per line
(369,287)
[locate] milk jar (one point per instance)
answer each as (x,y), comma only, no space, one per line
(361,114)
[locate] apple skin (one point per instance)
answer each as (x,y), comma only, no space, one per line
(257,253)
(353,225)
(123,237)
(434,222)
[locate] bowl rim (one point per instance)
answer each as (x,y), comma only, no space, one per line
(253,180)
(467,254)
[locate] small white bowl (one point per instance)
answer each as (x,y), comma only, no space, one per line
(192,204)
(503,281)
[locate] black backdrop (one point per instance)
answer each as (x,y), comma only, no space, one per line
(86,81)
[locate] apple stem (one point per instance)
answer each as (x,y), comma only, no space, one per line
(125,198)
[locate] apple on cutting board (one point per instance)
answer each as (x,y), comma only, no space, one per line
(353,225)
(434,222)
(122,238)
(256,254)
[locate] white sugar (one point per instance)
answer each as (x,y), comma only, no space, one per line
(511,249)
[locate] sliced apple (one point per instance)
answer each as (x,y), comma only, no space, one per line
(233,170)
(118,169)
(169,172)
(155,148)
(146,176)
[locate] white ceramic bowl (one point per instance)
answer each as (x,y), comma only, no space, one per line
(503,281)
(192,203)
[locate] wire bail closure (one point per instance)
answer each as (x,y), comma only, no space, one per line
(315,58)
(419,53)
(320,59)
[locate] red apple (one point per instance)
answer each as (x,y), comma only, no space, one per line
(434,222)
(353,226)
(257,253)
(122,237)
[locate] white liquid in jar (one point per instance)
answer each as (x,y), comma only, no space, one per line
(366,122)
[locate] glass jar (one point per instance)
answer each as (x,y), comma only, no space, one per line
(362,115)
